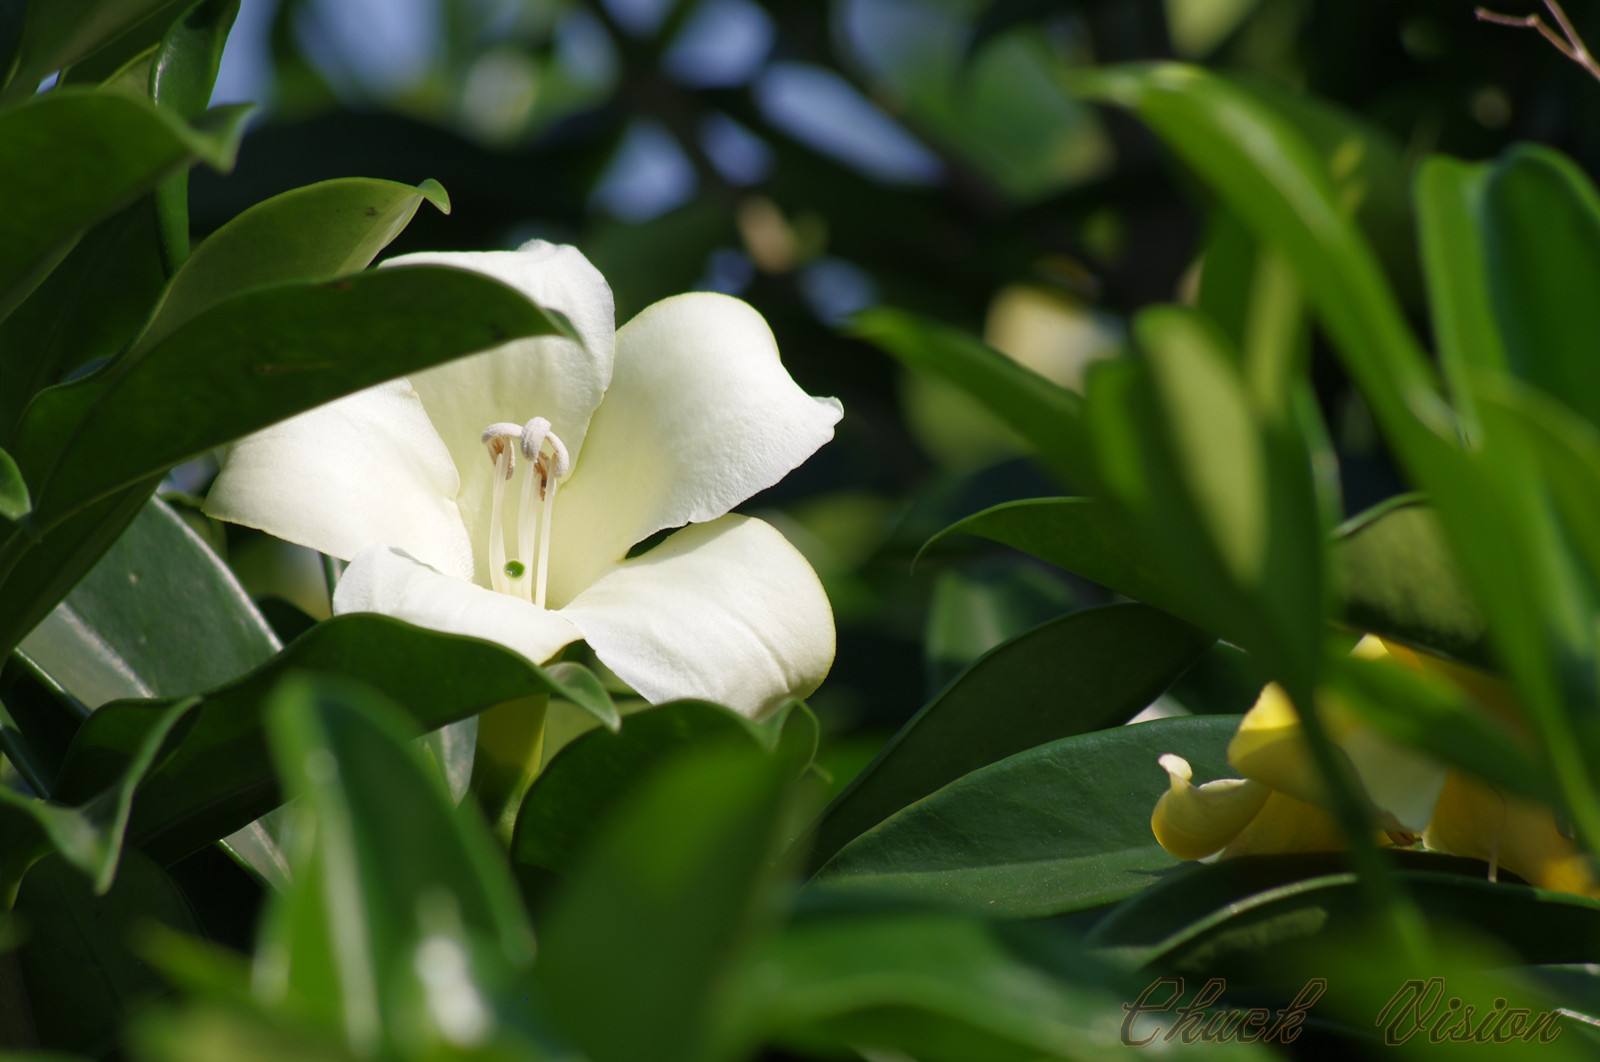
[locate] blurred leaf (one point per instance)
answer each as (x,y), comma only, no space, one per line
(1217,486)
(417,905)
(1084,536)
(1428,714)
(159,615)
(206,1032)
(79,156)
(1046,415)
(978,607)
(218,778)
(1087,671)
(14,503)
(261,356)
(936,986)
(637,951)
(83,978)
(1398,578)
(1211,914)
(577,790)
(1542,243)
(89,835)
(314,233)
(1058,828)
(58,33)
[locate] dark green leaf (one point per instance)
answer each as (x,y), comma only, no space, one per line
(1046,415)
(574,793)
(1398,578)
(637,951)
(58,33)
(83,977)
(77,157)
(218,778)
(314,233)
(1057,828)
(159,615)
(1083,672)
(261,356)
(184,68)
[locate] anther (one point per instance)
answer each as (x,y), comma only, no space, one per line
(497,437)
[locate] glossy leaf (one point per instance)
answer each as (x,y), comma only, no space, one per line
(159,615)
(1058,828)
(263,356)
(314,233)
(1398,578)
(637,950)
(402,879)
(1086,671)
(582,783)
(61,32)
(1046,415)
(217,779)
(82,974)
(87,155)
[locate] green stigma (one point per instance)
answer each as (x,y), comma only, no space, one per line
(515,569)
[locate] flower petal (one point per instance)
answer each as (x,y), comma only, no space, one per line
(701,414)
(551,377)
(1475,820)
(728,611)
(1193,821)
(386,580)
(365,470)
(1289,825)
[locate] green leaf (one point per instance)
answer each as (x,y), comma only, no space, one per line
(1058,828)
(61,32)
(581,785)
(637,950)
(217,779)
(160,615)
(1084,536)
(260,357)
(1086,671)
(183,71)
(1046,415)
(88,835)
(14,501)
(402,881)
(314,233)
(932,985)
(1398,578)
(83,978)
(1542,244)
(1238,908)
(79,157)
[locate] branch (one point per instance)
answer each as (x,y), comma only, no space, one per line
(1563,37)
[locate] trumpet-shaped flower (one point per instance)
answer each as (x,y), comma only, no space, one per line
(500,496)
(1279,805)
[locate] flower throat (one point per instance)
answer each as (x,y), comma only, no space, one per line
(548,465)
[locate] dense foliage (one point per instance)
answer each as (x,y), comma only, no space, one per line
(1266,364)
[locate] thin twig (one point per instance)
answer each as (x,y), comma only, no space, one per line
(1563,37)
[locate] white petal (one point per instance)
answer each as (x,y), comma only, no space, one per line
(700,415)
(368,469)
(728,611)
(551,377)
(387,581)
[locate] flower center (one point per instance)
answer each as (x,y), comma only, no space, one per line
(548,466)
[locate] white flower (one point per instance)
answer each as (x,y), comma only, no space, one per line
(584,451)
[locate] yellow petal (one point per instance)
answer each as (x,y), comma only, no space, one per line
(1285,824)
(1476,820)
(1193,821)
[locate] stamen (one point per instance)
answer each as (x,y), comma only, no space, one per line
(535,508)
(547,504)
